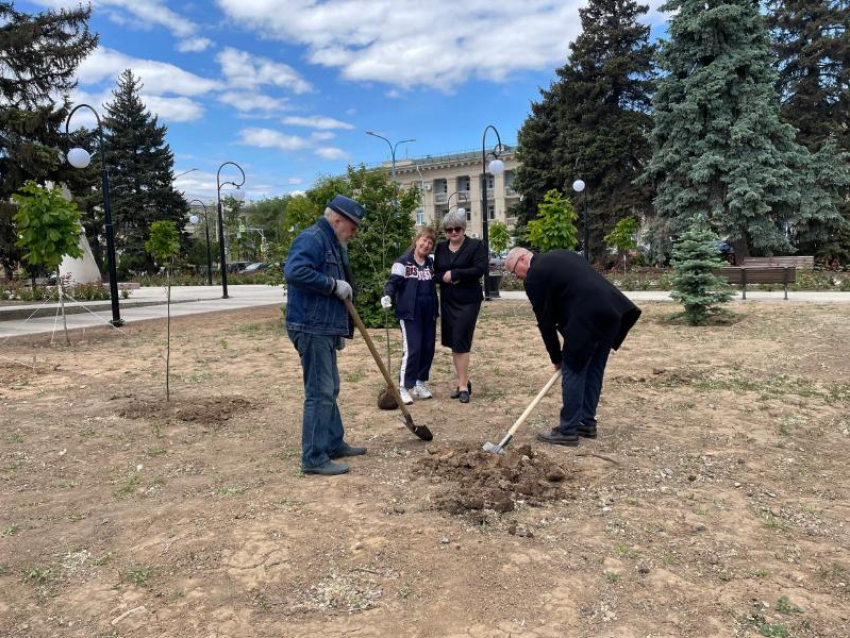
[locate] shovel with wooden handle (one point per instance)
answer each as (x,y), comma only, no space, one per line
(500,448)
(421,431)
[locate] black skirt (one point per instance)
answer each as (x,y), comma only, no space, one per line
(457,321)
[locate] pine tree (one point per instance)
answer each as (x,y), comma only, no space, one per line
(720,147)
(141,173)
(593,122)
(38,57)
(811,40)
(695,257)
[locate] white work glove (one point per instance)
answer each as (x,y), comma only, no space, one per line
(386,302)
(342,289)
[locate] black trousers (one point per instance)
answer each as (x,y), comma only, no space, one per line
(418,339)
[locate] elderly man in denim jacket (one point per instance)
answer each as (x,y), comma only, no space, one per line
(317,323)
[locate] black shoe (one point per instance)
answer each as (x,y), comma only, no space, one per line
(327,469)
(348,450)
(456,392)
(587,431)
(555,437)
(463,396)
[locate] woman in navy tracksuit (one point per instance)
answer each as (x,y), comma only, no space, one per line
(412,288)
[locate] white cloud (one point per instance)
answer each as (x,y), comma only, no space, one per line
(144,13)
(173,109)
(194,45)
(406,43)
(243,70)
(248,102)
(318,121)
(294,181)
(157,77)
(168,109)
(270,138)
(331,153)
(322,136)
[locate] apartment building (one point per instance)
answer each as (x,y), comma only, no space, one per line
(455,181)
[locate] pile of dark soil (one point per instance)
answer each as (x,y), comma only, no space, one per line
(481,480)
(198,410)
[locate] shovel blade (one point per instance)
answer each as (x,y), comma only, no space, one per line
(493,449)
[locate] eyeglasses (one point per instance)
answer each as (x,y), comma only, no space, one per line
(516,263)
(455,229)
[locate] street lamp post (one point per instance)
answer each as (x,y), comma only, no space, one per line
(579,187)
(461,199)
(194,220)
(80,158)
(393,148)
(237,195)
(496,167)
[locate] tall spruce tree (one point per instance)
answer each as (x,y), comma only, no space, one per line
(38,56)
(595,115)
(141,173)
(720,147)
(811,40)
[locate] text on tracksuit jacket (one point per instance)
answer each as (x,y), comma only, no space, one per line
(409,284)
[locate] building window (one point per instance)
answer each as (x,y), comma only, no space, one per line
(469,215)
(463,184)
(420,217)
(491,211)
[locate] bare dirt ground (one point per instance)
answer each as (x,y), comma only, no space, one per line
(716,501)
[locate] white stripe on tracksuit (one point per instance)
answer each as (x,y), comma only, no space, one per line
(405,349)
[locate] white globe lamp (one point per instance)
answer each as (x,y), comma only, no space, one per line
(578,185)
(496,167)
(79,157)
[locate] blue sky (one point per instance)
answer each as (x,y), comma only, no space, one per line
(288,88)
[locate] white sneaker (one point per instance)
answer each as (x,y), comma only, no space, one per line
(405,396)
(422,391)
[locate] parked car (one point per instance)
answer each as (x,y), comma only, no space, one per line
(237,266)
(497,262)
(255,267)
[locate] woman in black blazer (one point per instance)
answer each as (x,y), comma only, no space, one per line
(459,264)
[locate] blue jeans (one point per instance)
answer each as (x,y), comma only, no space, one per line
(321,426)
(581,389)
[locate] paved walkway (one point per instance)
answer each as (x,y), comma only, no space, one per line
(190,300)
(752,295)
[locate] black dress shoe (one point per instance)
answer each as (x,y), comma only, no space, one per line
(587,431)
(347,450)
(463,396)
(555,437)
(456,392)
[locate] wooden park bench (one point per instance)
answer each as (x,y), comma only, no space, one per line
(747,275)
(803,262)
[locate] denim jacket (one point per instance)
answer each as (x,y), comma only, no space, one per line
(315,260)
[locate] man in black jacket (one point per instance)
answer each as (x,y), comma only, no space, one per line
(592,315)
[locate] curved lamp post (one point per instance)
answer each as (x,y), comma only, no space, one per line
(579,187)
(496,167)
(238,195)
(194,219)
(393,148)
(461,199)
(80,158)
